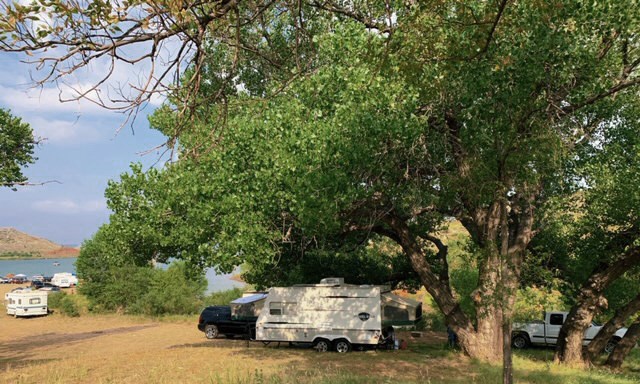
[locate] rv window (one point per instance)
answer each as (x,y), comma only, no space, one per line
(275,308)
(19,301)
(35,300)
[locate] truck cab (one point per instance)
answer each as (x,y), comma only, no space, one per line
(545,332)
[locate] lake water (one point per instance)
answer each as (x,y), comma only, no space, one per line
(46,267)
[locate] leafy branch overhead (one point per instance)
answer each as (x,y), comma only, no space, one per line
(311,129)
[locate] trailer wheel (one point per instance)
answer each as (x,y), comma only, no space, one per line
(321,345)
(211,331)
(342,346)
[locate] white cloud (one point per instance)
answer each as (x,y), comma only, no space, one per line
(62,131)
(44,100)
(69,207)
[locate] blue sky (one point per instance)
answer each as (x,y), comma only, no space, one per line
(82,151)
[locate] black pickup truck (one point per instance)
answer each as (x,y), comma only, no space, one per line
(216,320)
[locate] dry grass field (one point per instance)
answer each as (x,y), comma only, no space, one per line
(126,349)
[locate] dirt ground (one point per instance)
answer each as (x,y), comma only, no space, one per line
(127,349)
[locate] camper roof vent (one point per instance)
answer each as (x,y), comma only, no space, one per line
(333,280)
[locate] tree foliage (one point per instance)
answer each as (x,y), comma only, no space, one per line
(112,281)
(16,149)
(382,120)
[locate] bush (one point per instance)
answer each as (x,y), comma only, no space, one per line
(64,303)
(145,290)
(531,302)
(223,297)
(170,292)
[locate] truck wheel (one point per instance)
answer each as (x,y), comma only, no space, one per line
(342,346)
(211,331)
(520,341)
(321,345)
(611,344)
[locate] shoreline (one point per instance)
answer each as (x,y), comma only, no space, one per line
(38,257)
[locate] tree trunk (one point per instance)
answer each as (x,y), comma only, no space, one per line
(616,358)
(609,329)
(569,348)
(589,302)
(484,341)
(507,363)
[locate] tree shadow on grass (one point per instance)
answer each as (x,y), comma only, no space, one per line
(418,364)
(12,363)
(20,352)
(539,373)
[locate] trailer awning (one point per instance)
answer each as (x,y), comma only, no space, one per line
(250,298)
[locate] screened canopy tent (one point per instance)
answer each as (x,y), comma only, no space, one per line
(398,310)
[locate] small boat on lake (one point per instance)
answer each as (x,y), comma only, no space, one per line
(56,264)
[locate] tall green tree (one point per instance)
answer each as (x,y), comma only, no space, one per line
(411,112)
(607,238)
(16,149)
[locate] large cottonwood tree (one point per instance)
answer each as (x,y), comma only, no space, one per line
(416,111)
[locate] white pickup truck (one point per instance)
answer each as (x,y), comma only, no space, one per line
(545,332)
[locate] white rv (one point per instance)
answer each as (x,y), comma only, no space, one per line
(333,315)
(64,280)
(26,302)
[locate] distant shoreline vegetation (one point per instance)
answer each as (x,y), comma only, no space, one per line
(19,255)
(31,256)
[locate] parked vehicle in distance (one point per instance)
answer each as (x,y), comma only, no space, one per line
(37,284)
(64,280)
(48,287)
(545,332)
(26,302)
(18,280)
(4,280)
(216,320)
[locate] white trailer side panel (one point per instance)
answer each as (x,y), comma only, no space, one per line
(29,303)
(305,313)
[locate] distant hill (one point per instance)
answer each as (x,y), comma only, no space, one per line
(19,245)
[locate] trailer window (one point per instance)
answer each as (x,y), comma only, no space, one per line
(275,308)
(19,301)
(282,308)
(35,300)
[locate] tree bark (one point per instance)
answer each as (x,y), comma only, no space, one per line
(484,341)
(616,358)
(589,302)
(609,329)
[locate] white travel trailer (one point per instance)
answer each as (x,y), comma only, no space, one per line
(26,302)
(333,315)
(64,280)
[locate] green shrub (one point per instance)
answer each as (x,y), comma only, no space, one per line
(64,303)
(531,302)
(145,290)
(223,297)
